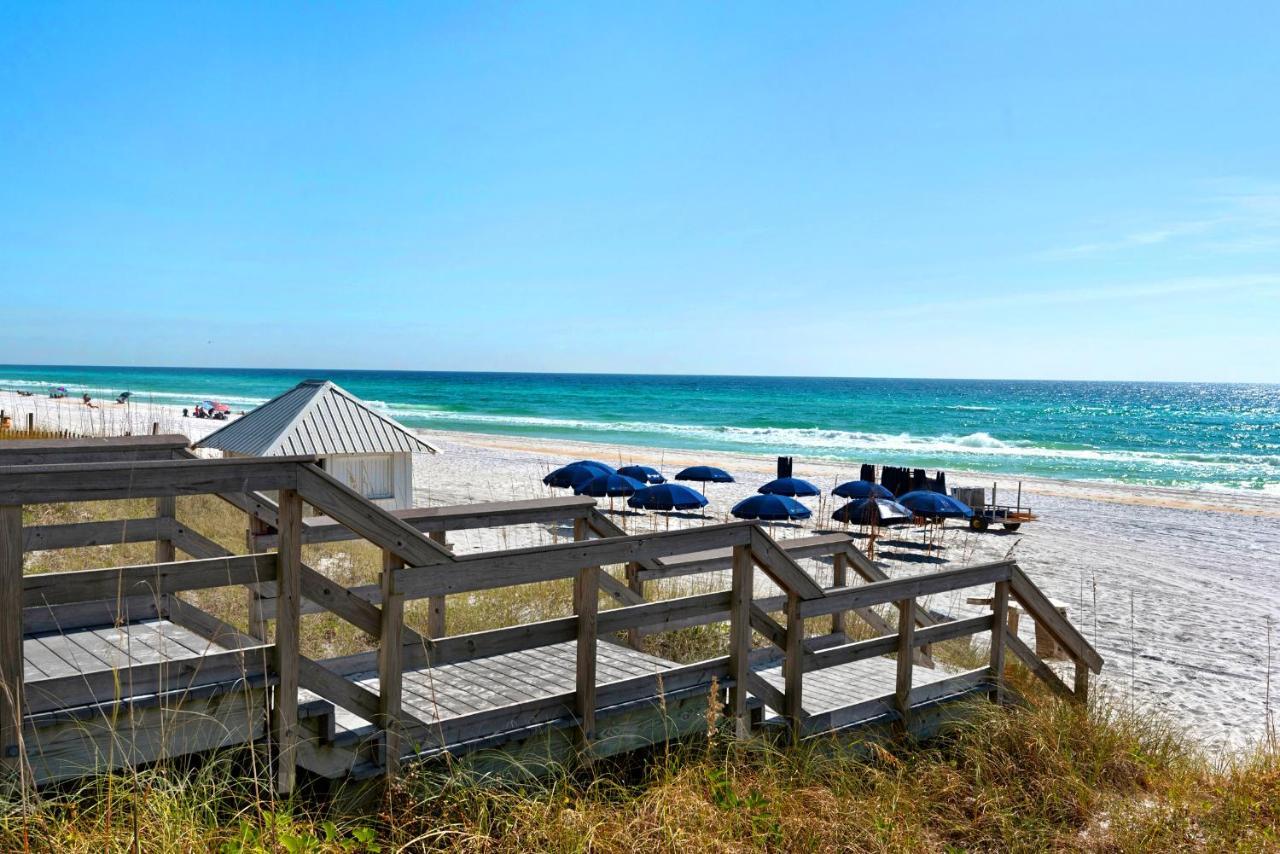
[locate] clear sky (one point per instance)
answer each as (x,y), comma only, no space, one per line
(1041,190)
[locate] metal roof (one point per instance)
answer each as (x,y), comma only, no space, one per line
(314,417)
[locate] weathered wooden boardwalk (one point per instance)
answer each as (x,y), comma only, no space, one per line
(113,667)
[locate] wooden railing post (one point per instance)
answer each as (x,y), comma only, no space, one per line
(586,588)
(166,514)
(436,604)
(284,715)
(906,661)
(636,585)
(581,532)
(11,663)
(839,578)
(257,625)
(793,665)
(740,638)
(999,626)
(390,663)
(1081,686)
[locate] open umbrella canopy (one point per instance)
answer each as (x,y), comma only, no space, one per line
(643,474)
(935,505)
(575,474)
(667,496)
(604,467)
(792,486)
(706,474)
(608,486)
(880,512)
(861,489)
(220,407)
(771,508)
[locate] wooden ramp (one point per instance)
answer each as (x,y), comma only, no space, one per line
(112,668)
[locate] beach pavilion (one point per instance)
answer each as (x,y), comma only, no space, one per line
(371,453)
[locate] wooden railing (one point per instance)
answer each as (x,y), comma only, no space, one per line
(418,565)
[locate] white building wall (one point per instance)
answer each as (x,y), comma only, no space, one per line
(385,479)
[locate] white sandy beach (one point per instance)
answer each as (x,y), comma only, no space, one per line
(1180,590)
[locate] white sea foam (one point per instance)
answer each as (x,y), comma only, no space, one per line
(829,442)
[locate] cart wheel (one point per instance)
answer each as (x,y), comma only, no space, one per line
(977,523)
(1012,526)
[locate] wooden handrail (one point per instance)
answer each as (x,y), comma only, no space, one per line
(43,484)
(457,517)
(155,579)
(1045,614)
(884,592)
(491,570)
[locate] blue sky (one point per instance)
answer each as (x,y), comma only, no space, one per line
(1082,190)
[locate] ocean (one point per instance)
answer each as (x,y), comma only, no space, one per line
(1206,435)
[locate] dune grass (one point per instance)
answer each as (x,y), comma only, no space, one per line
(1044,776)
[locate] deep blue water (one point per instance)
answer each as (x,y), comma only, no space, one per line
(1182,434)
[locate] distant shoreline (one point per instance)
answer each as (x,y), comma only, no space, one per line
(70,413)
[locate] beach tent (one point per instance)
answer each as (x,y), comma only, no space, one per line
(365,449)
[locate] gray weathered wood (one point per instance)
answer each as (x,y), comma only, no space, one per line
(11,661)
(1033,663)
(882,592)
(492,570)
(33,452)
(79,534)
(460,517)
(781,567)
(146,479)
(999,627)
(839,578)
(284,711)
(98,686)
(390,664)
(714,560)
(436,604)
(740,638)
(166,516)
(766,693)
(88,585)
(886,644)
(1081,692)
(906,644)
(1045,614)
(587,594)
(793,664)
(367,519)
(206,625)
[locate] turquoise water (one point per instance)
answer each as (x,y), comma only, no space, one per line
(1213,435)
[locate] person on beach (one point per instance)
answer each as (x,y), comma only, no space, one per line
(88,401)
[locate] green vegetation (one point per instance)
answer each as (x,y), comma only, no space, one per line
(1045,776)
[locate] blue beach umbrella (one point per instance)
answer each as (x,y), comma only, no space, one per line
(644,474)
(792,486)
(935,505)
(879,512)
(604,467)
(575,474)
(771,508)
(861,489)
(608,486)
(705,474)
(667,496)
